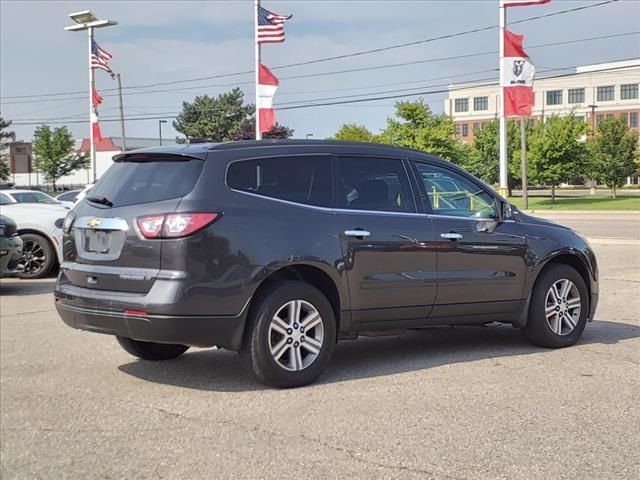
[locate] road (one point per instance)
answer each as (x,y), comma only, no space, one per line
(444,403)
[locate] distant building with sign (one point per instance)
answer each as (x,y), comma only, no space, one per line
(592,92)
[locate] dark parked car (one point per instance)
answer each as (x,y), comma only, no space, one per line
(278,249)
(10,248)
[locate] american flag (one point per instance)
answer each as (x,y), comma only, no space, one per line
(100,58)
(271,26)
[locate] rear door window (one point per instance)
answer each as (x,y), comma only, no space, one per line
(374,183)
(300,179)
(133,182)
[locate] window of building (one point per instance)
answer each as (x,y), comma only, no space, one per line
(450,193)
(629,91)
(633,119)
(296,179)
(625,118)
(576,95)
(606,94)
(599,118)
(480,103)
(554,97)
(458,129)
(476,127)
(609,115)
(579,118)
(531,122)
(379,184)
(465,129)
(461,105)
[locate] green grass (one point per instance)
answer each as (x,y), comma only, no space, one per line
(580,203)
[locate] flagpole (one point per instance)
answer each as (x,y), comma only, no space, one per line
(91,108)
(503,122)
(257,68)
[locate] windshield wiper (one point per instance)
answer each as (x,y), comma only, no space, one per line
(101,200)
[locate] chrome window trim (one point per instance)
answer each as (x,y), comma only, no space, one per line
(367,212)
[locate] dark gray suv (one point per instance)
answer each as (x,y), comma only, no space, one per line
(277,249)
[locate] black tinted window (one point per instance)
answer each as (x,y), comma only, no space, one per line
(374,184)
(130,182)
(296,179)
(450,193)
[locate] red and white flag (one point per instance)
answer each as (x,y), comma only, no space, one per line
(522,3)
(95,127)
(518,73)
(96,98)
(267,86)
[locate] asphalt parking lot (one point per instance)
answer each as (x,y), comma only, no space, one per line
(445,403)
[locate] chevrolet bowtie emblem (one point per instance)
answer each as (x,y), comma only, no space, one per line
(94,222)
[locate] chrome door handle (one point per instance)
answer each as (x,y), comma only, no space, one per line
(451,236)
(357,233)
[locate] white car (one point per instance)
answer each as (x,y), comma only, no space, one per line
(26,196)
(68,199)
(40,227)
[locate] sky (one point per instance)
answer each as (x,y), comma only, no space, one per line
(168,41)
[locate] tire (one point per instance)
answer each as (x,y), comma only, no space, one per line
(560,329)
(294,363)
(150,350)
(38,256)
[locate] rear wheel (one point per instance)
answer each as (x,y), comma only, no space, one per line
(559,308)
(150,350)
(38,256)
(291,335)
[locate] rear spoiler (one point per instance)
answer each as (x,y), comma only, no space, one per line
(141,156)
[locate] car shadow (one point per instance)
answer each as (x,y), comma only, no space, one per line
(221,370)
(15,286)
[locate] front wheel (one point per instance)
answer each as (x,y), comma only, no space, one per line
(150,350)
(559,308)
(291,335)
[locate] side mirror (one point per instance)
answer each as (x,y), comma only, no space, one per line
(507,211)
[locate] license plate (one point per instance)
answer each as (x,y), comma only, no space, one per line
(97,241)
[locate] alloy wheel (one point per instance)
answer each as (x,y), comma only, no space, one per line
(563,306)
(33,257)
(296,335)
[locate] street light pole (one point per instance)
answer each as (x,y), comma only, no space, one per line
(86,20)
(309,135)
(160,122)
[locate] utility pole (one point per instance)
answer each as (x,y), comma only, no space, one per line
(523,161)
(124,140)
(160,122)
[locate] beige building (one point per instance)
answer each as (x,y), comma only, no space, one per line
(594,92)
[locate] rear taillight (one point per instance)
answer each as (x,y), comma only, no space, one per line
(68,222)
(175,225)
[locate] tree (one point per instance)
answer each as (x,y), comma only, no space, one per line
(613,152)
(556,150)
(54,153)
(5,171)
(214,119)
(484,160)
(248,131)
(417,127)
(352,132)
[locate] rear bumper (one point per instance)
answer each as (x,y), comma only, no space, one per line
(192,330)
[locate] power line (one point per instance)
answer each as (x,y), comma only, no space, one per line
(331,101)
(351,70)
(332,58)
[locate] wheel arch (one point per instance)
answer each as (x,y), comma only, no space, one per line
(312,275)
(572,258)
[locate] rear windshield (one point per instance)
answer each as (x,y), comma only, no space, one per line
(133,182)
